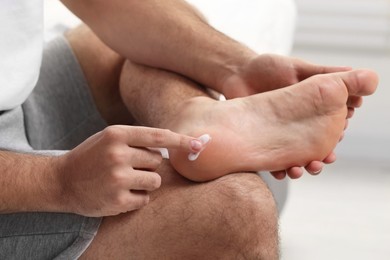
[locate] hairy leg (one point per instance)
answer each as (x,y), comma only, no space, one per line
(102,68)
(233,217)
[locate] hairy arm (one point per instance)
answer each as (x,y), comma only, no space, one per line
(171,35)
(27,183)
(167,34)
(100,177)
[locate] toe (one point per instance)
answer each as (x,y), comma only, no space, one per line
(360,82)
(279,175)
(295,172)
(346,124)
(350,113)
(331,158)
(315,167)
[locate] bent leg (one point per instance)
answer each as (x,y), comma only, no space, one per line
(233,217)
(101,67)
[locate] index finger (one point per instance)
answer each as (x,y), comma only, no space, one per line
(160,138)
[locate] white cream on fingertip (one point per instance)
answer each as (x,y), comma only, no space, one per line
(204,139)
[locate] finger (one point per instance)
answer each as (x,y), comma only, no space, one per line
(137,200)
(333,69)
(351,112)
(145,159)
(342,137)
(155,137)
(295,172)
(143,181)
(315,167)
(355,101)
(310,69)
(346,124)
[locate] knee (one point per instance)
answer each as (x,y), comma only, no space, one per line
(244,216)
(126,75)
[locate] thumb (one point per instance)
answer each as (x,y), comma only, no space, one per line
(306,69)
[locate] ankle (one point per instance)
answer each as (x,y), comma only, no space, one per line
(187,114)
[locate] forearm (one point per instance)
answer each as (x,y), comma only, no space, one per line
(27,183)
(155,96)
(164,34)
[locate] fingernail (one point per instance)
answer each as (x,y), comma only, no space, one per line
(196,145)
(204,139)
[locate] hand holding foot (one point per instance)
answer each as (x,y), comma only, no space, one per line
(269,72)
(272,131)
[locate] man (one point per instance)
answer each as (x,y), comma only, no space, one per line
(112,171)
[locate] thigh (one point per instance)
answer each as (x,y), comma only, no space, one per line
(232,216)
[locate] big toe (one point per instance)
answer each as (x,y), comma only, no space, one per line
(361,82)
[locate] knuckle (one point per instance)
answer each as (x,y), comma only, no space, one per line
(118,178)
(116,155)
(112,133)
(159,136)
(155,161)
(141,202)
(119,200)
(319,78)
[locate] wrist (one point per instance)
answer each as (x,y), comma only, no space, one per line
(234,86)
(229,65)
(53,187)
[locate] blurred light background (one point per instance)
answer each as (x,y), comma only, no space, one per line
(345,212)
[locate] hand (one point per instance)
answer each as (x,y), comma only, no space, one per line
(112,171)
(268,72)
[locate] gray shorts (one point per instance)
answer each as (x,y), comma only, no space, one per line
(58,115)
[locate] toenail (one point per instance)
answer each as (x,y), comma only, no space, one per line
(317,172)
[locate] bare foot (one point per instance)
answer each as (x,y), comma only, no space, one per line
(271,131)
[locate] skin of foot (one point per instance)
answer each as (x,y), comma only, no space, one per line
(271,131)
